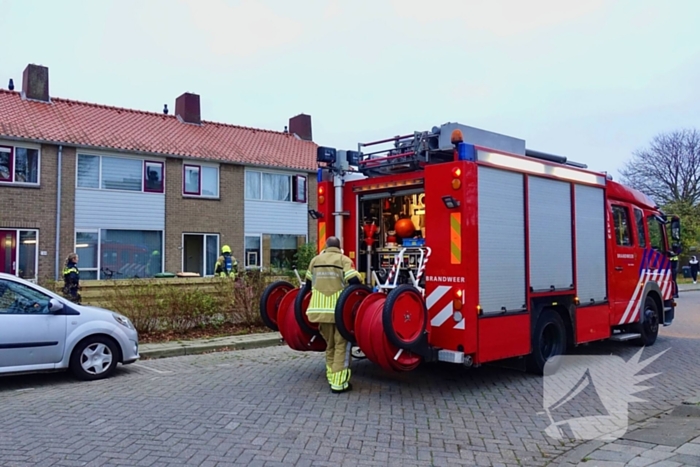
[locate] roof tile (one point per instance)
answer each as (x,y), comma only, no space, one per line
(85,124)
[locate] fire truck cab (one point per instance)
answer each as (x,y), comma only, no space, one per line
(474,249)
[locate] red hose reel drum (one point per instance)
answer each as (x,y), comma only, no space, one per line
(296,337)
(371,336)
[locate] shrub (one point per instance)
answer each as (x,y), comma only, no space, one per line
(158,307)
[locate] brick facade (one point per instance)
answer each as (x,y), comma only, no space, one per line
(195,215)
(35,207)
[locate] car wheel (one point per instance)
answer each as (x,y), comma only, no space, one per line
(94,358)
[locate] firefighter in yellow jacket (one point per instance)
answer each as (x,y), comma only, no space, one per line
(328,274)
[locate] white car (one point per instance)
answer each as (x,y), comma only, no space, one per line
(42,331)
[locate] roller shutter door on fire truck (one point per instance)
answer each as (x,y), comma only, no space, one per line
(551,263)
(591,276)
(501,241)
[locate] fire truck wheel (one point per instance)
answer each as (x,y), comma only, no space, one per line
(270,301)
(404,316)
(649,325)
(346,309)
(548,341)
(301,303)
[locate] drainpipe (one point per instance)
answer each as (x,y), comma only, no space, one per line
(58,213)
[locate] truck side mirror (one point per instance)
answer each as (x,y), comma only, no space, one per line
(676,229)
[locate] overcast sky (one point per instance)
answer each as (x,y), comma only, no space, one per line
(592,80)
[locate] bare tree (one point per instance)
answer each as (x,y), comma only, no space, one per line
(669,169)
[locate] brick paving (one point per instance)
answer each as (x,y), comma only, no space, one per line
(272,407)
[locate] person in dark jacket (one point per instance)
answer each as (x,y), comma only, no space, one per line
(694,266)
(71,279)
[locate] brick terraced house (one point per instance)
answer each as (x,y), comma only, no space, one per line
(136,193)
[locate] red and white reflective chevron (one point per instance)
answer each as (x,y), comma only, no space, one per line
(441,299)
(662,278)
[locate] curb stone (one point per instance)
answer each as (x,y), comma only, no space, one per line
(181,348)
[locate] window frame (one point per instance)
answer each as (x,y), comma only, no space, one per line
(100,155)
(204,236)
(661,228)
(260,251)
(146,163)
(200,167)
(630,235)
(640,227)
(13,164)
(294,180)
(99,248)
(97,269)
(36,259)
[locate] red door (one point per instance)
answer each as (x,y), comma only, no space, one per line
(8,248)
(624,276)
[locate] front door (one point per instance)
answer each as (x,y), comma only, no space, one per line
(8,249)
(625,274)
(29,334)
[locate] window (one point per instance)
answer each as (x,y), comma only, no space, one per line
(275,187)
(299,189)
(656,233)
(622,226)
(252,185)
(153,177)
(20,299)
(119,254)
(200,180)
(18,252)
(252,252)
(120,173)
(87,246)
(28,258)
(641,235)
(192,180)
(19,165)
(201,252)
(282,250)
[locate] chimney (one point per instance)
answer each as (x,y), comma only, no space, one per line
(35,83)
(187,108)
(301,126)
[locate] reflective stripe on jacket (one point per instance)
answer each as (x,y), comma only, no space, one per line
(329,273)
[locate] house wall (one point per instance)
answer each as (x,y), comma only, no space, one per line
(35,207)
(200,215)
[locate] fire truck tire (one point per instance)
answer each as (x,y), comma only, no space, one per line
(648,326)
(404,317)
(270,301)
(548,341)
(301,303)
(346,309)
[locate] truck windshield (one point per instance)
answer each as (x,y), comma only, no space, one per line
(657,233)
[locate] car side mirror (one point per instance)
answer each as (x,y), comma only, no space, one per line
(55,306)
(676,229)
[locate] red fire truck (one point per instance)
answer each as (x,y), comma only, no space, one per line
(476,249)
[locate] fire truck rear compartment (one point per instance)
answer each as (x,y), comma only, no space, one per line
(400,223)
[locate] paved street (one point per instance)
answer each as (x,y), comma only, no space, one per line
(272,407)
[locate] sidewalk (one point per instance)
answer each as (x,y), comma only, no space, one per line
(671,439)
(197,346)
